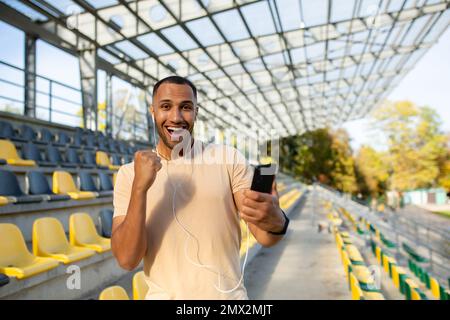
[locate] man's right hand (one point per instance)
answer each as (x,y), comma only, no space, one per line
(146,165)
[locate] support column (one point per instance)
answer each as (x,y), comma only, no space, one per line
(88,73)
(30,76)
(109,106)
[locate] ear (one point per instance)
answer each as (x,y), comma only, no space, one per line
(152,110)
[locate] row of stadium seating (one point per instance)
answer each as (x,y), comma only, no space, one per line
(382,250)
(50,245)
(81,139)
(63,187)
(139,288)
(32,155)
(361,283)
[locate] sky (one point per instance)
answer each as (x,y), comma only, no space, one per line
(427,84)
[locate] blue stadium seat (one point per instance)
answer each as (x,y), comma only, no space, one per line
(7,132)
(116,160)
(127,158)
(53,155)
(87,184)
(73,158)
(38,185)
(28,133)
(105,182)
(106,217)
(2,161)
(47,136)
(77,141)
(10,188)
(102,145)
(112,146)
(4,280)
(31,151)
(90,142)
(123,147)
(63,139)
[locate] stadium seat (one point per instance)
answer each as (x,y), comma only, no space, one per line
(116,160)
(354,288)
(7,132)
(435,290)
(127,158)
(47,136)
(114,293)
(87,184)
(4,280)
(84,234)
(78,141)
(63,139)
(8,152)
(3,161)
(15,259)
(140,287)
(3,201)
(105,182)
(89,159)
(10,188)
(38,185)
(73,158)
(49,240)
(53,155)
(106,216)
(31,152)
(28,134)
(64,184)
(102,159)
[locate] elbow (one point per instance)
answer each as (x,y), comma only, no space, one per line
(127,265)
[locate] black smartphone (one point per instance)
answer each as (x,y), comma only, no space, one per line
(263,178)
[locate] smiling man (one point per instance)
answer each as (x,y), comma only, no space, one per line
(180,214)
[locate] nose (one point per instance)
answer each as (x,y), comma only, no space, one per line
(175,115)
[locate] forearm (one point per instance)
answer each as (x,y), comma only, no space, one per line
(129,240)
(265,238)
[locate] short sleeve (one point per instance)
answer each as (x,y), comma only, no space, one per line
(122,190)
(242,172)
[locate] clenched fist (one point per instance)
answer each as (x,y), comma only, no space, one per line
(146,165)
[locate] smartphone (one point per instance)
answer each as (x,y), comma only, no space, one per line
(263,178)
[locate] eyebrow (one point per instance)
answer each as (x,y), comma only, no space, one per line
(170,101)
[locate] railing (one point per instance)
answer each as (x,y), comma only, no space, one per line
(51,95)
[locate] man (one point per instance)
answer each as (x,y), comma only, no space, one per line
(181,217)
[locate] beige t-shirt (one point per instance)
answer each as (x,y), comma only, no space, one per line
(183,260)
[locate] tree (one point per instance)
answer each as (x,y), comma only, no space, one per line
(372,171)
(321,155)
(415,144)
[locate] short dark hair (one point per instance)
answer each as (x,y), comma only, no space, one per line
(175,80)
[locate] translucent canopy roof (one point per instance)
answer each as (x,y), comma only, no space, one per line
(281,65)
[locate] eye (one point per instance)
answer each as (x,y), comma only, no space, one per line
(165,106)
(187,107)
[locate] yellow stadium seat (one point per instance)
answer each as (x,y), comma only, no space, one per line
(415,295)
(368,295)
(83,233)
(114,293)
(140,287)
(102,159)
(353,254)
(378,254)
(64,184)
(396,272)
(363,274)
(15,259)
(3,201)
(49,240)
(355,288)
(434,286)
(8,152)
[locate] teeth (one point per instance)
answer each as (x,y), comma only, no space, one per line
(175,128)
